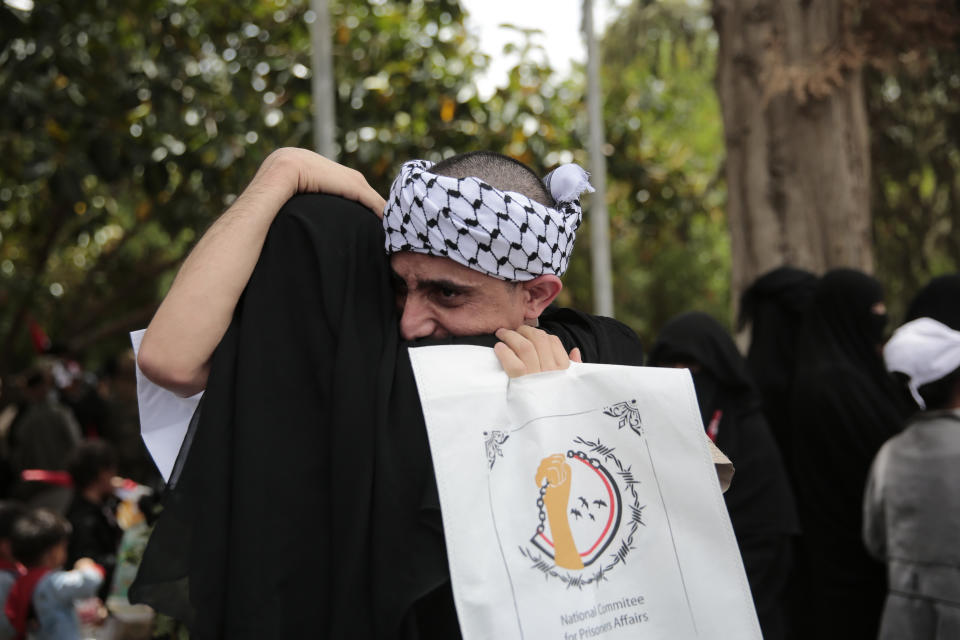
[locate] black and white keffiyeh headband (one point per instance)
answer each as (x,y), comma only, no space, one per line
(500,233)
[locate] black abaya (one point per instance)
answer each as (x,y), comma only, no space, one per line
(773,306)
(305,505)
(939,299)
(844,407)
(759,499)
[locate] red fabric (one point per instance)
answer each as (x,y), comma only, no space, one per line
(41,343)
(713,430)
(59,478)
(18,602)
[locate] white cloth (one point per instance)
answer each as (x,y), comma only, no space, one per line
(500,233)
(925,350)
(579,504)
(164,417)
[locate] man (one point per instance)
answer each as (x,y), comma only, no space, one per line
(180,340)
(911,504)
(306,505)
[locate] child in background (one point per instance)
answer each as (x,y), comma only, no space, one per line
(96,534)
(39,541)
(10,569)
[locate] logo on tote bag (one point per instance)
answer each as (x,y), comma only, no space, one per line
(587,513)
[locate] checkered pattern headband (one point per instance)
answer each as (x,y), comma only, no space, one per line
(501,233)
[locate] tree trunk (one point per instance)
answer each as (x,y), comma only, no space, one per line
(795,122)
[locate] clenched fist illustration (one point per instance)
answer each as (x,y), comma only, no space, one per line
(556,473)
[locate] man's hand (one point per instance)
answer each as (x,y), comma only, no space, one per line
(529,350)
(303,171)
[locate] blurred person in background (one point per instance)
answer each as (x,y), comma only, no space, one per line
(78,390)
(911,509)
(42,602)
(121,427)
(10,569)
(759,500)
(844,407)
(9,409)
(45,432)
(773,307)
(92,512)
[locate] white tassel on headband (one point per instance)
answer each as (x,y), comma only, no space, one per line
(501,233)
(925,350)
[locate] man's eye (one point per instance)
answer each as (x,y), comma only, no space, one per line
(447,296)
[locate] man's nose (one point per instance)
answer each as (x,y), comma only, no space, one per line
(416,321)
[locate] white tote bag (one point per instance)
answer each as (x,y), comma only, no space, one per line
(579,504)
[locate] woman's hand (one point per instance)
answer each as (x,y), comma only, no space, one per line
(303,171)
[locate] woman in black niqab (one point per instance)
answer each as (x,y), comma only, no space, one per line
(844,407)
(774,306)
(759,499)
(939,299)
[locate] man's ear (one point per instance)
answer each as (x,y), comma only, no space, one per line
(538,294)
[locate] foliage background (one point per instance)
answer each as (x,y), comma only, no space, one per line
(126,128)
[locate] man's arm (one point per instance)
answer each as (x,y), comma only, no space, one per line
(180,340)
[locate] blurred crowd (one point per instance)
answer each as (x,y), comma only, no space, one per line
(837,541)
(74,477)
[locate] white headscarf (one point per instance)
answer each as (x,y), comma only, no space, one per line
(500,233)
(925,350)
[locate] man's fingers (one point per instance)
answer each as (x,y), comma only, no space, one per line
(553,357)
(541,344)
(511,364)
(560,356)
(533,351)
(576,356)
(523,348)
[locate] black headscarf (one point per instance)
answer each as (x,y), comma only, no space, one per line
(774,306)
(305,504)
(940,300)
(844,407)
(759,500)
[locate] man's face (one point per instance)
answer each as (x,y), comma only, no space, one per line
(438,298)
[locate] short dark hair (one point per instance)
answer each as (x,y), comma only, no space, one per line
(9,512)
(35,533)
(88,460)
(939,394)
(497,170)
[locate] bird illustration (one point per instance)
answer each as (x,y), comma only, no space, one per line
(591,517)
(583,501)
(576,513)
(600,503)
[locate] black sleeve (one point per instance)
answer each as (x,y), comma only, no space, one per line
(600,340)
